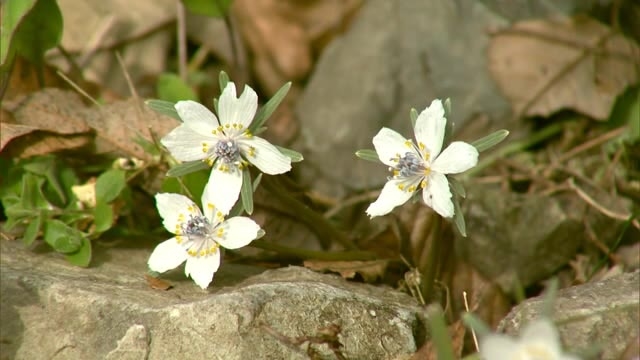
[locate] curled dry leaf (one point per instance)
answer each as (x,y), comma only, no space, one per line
(543,66)
(371,271)
(157,283)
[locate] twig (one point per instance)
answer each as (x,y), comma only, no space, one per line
(182,41)
(78,88)
(127,77)
(96,39)
(610,213)
(590,144)
(473,333)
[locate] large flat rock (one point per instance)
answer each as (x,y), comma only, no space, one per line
(51,310)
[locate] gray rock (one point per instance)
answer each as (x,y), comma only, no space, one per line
(519,239)
(603,313)
(53,310)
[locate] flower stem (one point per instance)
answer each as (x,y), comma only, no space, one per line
(315,221)
(429,273)
(304,254)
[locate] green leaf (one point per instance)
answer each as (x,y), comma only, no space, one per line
(447,107)
(171,88)
(39,31)
(32,197)
(291,154)
(476,324)
(163,107)
(490,140)
(626,111)
(457,187)
(223,80)
(458,217)
(12,13)
(81,257)
(32,230)
(414,117)
(18,212)
(61,237)
(256,182)
(439,333)
(269,108)
(109,185)
(368,154)
(187,168)
(246,191)
(215,104)
(102,217)
(213,8)
(549,300)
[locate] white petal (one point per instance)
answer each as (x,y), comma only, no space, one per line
(222,189)
(174,209)
(438,195)
(201,269)
(390,197)
(238,231)
(186,145)
(264,156)
(456,158)
(430,127)
(166,256)
(234,110)
(541,331)
(497,346)
(389,145)
(197,116)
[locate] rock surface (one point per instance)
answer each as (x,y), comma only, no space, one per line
(603,313)
(53,310)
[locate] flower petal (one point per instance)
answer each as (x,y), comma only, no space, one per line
(390,197)
(187,145)
(437,195)
(166,256)
(174,209)
(542,331)
(497,346)
(222,189)
(240,110)
(202,268)
(197,117)
(237,232)
(456,158)
(389,145)
(264,156)
(430,128)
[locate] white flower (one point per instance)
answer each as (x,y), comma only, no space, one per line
(539,340)
(198,236)
(421,165)
(227,143)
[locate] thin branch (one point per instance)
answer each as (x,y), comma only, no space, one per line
(78,88)
(182,41)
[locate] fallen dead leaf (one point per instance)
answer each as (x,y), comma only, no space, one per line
(371,271)
(156,283)
(543,66)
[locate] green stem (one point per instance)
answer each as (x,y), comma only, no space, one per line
(304,254)
(433,260)
(316,222)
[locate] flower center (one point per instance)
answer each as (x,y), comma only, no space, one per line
(409,165)
(227,151)
(197,227)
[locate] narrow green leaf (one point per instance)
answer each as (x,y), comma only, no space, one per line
(457,187)
(490,140)
(256,182)
(476,324)
(170,87)
(458,217)
(18,212)
(32,230)
(550,295)
(215,104)
(368,154)
(38,31)
(32,197)
(61,237)
(414,116)
(212,8)
(187,168)
(102,217)
(269,107)
(246,192)
(291,154)
(163,107)
(109,185)
(439,333)
(223,80)
(82,257)
(12,13)
(447,107)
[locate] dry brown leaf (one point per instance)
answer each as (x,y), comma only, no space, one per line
(43,122)
(371,271)
(156,283)
(543,66)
